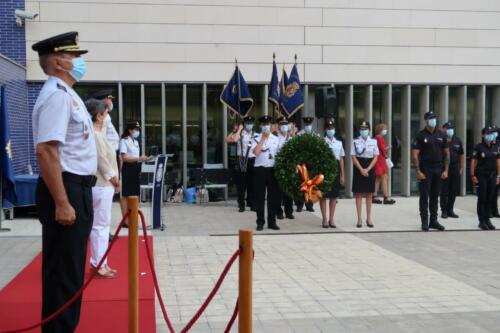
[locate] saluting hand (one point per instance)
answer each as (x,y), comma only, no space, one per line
(265,135)
(65,214)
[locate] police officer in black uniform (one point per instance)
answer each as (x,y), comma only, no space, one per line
(494,202)
(66,152)
(451,185)
(431,158)
(485,174)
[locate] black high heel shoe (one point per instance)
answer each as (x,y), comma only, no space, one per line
(369,225)
(332,225)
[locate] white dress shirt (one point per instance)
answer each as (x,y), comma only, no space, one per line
(130,147)
(60,115)
(282,139)
(364,148)
(111,133)
(246,139)
(269,150)
(336,147)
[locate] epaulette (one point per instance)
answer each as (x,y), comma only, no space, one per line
(60,86)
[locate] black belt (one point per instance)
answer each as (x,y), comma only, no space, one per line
(87,181)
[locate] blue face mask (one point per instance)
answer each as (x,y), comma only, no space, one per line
(489,137)
(308,128)
(495,135)
(364,133)
(136,134)
(266,128)
(249,127)
(330,133)
(284,128)
(79,68)
(432,122)
(384,132)
(450,132)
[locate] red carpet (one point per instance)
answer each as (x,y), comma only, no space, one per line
(105,304)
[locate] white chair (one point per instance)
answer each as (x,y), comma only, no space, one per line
(219,166)
(147,171)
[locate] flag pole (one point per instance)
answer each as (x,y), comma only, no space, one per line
(2,84)
(239,88)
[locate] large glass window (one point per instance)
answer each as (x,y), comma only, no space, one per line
(340,130)
(489,106)
(470,143)
(397,101)
(194,131)
(378,108)
(173,101)
(131,103)
(153,119)
(359,108)
(214,125)
(453,104)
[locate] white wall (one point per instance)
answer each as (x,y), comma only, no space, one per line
(351,41)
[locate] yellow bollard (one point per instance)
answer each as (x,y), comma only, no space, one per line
(133,266)
(245,284)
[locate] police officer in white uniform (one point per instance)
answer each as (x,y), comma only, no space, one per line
(66,152)
(284,135)
(112,136)
(364,154)
(242,135)
(265,147)
(307,129)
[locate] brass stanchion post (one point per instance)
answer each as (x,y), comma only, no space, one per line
(245,281)
(133,265)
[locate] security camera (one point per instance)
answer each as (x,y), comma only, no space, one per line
(21,14)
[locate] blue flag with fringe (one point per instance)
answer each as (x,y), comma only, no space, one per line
(7,170)
(236,96)
(292,100)
(274,88)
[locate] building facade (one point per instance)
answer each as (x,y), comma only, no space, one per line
(391,61)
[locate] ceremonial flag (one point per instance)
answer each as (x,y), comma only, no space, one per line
(274,87)
(292,100)
(7,170)
(236,95)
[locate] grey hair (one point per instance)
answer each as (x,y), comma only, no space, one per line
(95,107)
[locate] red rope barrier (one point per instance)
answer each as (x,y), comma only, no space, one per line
(79,292)
(233,317)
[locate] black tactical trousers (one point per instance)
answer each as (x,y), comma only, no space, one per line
(245,185)
(265,181)
(485,190)
(449,190)
(429,189)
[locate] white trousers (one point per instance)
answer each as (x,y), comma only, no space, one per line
(99,236)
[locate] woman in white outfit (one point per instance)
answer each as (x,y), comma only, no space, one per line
(107,185)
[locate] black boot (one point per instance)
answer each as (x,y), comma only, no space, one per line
(425,225)
(483,226)
(436,225)
(453,215)
(490,225)
(444,214)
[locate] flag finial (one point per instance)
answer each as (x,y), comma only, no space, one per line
(235,62)
(295,58)
(274,56)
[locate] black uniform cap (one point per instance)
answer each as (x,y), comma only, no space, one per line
(308,120)
(67,42)
(133,125)
(487,130)
(248,119)
(265,119)
(429,115)
(448,125)
(102,94)
(330,123)
(282,120)
(364,125)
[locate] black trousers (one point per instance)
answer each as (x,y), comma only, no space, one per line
(286,202)
(265,181)
(429,189)
(485,190)
(449,189)
(245,185)
(300,205)
(64,251)
(494,201)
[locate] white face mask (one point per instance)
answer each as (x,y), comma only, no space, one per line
(110,107)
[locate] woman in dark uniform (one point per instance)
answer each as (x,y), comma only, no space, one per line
(130,164)
(364,154)
(485,174)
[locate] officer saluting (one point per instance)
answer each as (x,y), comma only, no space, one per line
(308,128)
(450,186)
(431,158)
(66,152)
(108,127)
(485,173)
(265,147)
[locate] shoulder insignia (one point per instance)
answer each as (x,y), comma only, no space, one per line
(75,104)
(425,140)
(60,86)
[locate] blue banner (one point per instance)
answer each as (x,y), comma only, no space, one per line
(236,96)
(274,88)
(7,170)
(157,197)
(292,100)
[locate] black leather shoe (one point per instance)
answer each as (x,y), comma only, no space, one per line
(483,226)
(241,209)
(290,216)
(274,227)
(444,215)
(453,215)
(436,225)
(388,201)
(425,228)
(260,228)
(490,225)
(298,210)
(280,216)
(310,209)
(359,225)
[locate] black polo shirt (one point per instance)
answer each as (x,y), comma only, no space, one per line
(456,149)
(486,157)
(431,147)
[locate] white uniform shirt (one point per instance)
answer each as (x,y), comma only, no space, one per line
(111,133)
(130,147)
(269,151)
(364,148)
(336,147)
(282,139)
(60,115)
(246,138)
